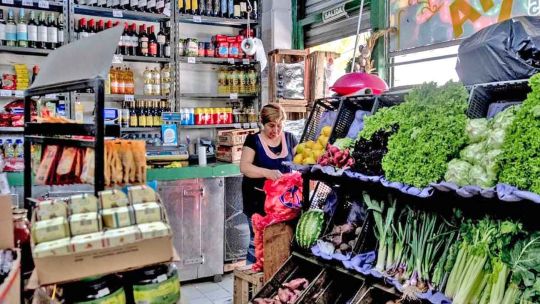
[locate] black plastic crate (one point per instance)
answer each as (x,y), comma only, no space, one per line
(482,96)
(293,268)
(347,113)
(390,99)
(313,124)
(332,287)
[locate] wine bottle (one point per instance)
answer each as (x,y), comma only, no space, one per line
(11,29)
(125,41)
(161,41)
(143,41)
(32,30)
(2,28)
(152,42)
(52,32)
(60,30)
(22,30)
(42,31)
(224,8)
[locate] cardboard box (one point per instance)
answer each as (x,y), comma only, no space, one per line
(10,290)
(58,269)
(6,223)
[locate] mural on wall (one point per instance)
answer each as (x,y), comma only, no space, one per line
(425,22)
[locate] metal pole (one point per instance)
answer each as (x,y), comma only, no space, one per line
(357,34)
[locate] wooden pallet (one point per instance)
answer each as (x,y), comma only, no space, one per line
(246,284)
(277,247)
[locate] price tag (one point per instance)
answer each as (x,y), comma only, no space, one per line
(5,93)
(245,61)
(254,125)
(167,10)
(233,96)
(246,125)
(237,126)
(117,14)
(19,93)
(27,2)
(230,60)
(43,4)
(197,19)
(10,2)
(191,60)
(51,96)
(118,58)
(129,98)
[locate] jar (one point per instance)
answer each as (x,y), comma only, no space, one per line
(95,290)
(209,50)
(201,49)
(181,47)
(192,47)
(21,227)
(153,285)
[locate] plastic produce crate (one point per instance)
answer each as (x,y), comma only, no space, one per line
(293,268)
(332,287)
(390,99)
(347,113)
(321,108)
(505,93)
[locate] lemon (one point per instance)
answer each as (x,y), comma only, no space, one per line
(323,140)
(298,159)
(300,148)
(326,131)
(309,161)
(309,144)
(307,153)
(317,154)
(317,147)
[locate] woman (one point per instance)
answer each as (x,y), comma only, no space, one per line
(262,158)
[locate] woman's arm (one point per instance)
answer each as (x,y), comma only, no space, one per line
(250,170)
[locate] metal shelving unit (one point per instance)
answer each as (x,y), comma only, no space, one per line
(224,126)
(11,130)
(217,96)
(118,13)
(24,51)
(57,6)
(145,59)
(215,21)
(215,60)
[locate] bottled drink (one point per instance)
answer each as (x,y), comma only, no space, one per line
(2,28)
(152,42)
(11,29)
(91,2)
(121,80)
(201,8)
(134,41)
(147,78)
(156,82)
(60,30)
(161,41)
(125,41)
(237,10)
(160,6)
(83,32)
(19,150)
(133,120)
(143,41)
(254,10)
(133,4)
(101,3)
(157,114)
(151,6)
(114,81)
(91,25)
(130,84)
(108,24)
(8,148)
(142,5)
(100,26)
(187,7)
(52,32)
(22,30)
(42,31)
(243,9)
(224,7)
(142,114)
(216,8)
(194,6)
(166,80)
(124,4)
(230,8)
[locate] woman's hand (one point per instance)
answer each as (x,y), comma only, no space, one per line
(272,174)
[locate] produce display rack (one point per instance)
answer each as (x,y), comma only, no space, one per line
(482,95)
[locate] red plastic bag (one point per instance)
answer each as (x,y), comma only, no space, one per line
(283,203)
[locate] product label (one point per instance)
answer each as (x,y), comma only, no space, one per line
(143,3)
(161,39)
(118,297)
(151,4)
(152,50)
(167,51)
(102,2)
(165,292)
(134,3)
(160,4)
(60,35)
(22,33)
(32,33)
(42,33)
(124,2)
(11,32)
(52,33)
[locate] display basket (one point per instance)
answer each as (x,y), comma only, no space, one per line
(293,268)
(390,99)
(502,94)
(347,114)
(316,117)
(332,287)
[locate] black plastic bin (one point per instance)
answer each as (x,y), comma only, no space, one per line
(313,124)
(498,94)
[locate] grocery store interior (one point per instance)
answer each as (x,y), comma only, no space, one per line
(269,151)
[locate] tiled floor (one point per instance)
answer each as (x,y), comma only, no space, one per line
(208,292)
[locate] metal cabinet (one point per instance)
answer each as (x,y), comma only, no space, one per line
(195,208)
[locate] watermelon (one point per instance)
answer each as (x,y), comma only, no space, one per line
(309,228)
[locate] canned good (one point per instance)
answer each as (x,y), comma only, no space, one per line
(191,47)
(125,118)
(209,49)
(201,49)
(181,47)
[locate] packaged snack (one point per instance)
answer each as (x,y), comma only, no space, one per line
(147,213)
(122,236)
(154,230)
(113,199)
(83,203)
(141,194)
(50,230)
(84,223)
(49,209)
(58,247)
(87,242)
(118,217)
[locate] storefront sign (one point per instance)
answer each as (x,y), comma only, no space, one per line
(421,23)
(334,13)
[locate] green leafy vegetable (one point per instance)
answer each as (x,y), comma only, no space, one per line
(477,130)
(458,172)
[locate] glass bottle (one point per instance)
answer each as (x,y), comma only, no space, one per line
(22,30)
(133,119)
(142,5)
(52,32)
(143,41)
(11,29)
(142,115)
(147,78)
(161,41)
(125,41)
(60,30)
(152,42)
(2,28)
(121,80)
(156,82)
(166,80)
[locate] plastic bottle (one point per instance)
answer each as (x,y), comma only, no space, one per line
(9,150)
(19,149)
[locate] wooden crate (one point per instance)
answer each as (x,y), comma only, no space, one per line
(229,154)
(233,137)
(287,56)
(277,247)
(246,284)
(318,82)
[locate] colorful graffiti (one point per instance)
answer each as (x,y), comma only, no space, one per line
(425,22)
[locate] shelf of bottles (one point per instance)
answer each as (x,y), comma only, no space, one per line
(48,5)
(217,12)
(125,9)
